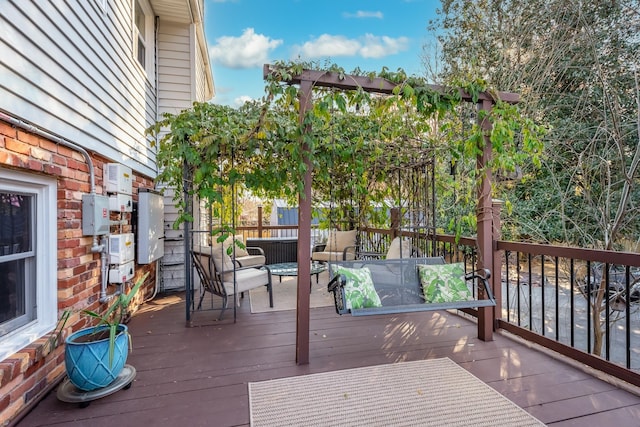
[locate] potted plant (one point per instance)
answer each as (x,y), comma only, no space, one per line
(95,356)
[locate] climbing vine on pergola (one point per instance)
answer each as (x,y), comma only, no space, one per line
(318,128)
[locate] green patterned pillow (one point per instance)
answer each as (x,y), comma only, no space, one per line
(359,290)
(444,283)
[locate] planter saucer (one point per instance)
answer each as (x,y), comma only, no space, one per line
(67,392)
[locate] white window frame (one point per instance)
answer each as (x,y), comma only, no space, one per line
(44,192)
(148,36)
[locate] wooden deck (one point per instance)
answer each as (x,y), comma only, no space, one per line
(198,376)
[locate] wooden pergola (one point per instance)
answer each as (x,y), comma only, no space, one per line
(309,79)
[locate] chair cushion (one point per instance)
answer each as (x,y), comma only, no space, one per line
(331,256)
(245,279)
(221,260)
(359,290)
(338,240)
(251,260)
(222,257)
(399,248)
(443,283)
(232,241)
(240,252)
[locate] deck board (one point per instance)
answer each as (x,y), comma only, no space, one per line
(199,375)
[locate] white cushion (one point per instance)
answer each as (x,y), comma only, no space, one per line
(251,260)
(399,248)
(245,279)
(239,251)
(332,256)
(221,259)
(338,240)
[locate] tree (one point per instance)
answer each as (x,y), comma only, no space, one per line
(576,66)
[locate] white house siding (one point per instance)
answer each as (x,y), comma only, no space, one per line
(175,79)
(68,67)
(202,86)
(175,84)
(182,79)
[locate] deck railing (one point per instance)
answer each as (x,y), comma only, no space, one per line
(583,303)
(549,295)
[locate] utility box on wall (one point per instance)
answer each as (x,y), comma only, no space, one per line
(121,248)
(95,215)
(121,273)
(150,226)
(117,178)
(120,202)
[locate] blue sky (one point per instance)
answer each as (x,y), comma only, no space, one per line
(245,34)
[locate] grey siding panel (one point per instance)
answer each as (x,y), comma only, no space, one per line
(68,67)
(173,105)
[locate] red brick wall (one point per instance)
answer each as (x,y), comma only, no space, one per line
(28,374)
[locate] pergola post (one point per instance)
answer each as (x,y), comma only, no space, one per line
(496,279)
(304,239)
(395,222)
(260,221)
(485,220)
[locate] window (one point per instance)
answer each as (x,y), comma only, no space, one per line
(17,259)
(28,284)
(143,47)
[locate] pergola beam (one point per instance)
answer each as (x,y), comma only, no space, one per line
(378,84)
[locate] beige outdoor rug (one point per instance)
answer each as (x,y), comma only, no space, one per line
(422,393)
(285,294)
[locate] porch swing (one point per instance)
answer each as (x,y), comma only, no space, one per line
(408,282)
(404,285)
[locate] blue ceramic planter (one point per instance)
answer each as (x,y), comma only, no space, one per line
(87,363)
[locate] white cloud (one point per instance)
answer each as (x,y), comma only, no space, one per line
(364,14)
(240,100)
(247,51)
(328,45)
(378,47)
(368,46)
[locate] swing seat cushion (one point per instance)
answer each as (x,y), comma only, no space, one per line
(359,289)
(444,283)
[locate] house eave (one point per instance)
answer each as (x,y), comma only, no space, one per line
(188,12)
